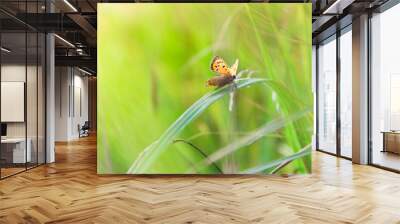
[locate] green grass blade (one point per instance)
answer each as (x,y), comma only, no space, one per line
(147,157)
(200,151)
(303,152)
(270,127)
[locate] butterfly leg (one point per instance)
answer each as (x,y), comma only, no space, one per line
(233,86)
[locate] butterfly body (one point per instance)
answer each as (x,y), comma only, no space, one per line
(221,80)
(226,74)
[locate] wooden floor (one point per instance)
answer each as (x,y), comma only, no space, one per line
(5,172)
(70,191)
(386,159)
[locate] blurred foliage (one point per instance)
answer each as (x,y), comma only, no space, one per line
(154,60)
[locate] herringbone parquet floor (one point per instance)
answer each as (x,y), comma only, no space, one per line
(70,191)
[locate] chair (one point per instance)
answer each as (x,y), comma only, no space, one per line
(84,130)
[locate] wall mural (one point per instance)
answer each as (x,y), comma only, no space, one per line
(204,88)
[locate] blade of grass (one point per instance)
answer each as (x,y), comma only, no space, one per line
(261,44)
(276,169)
(151,153)
(303,152)
(199,151)
(256,135)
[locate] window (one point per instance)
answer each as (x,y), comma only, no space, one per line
(327,96)
(346,93)
(22,108)
(385,89)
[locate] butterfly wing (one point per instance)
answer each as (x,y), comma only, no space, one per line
(219,66)
(234,68)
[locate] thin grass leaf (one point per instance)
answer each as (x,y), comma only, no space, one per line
(303,152)
(147,157)
(281,166)
(270,127)
(200,151)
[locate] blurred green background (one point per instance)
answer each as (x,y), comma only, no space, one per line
(153,63)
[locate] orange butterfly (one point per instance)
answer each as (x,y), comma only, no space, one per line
(226,74)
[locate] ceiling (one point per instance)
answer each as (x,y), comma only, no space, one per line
(75,22)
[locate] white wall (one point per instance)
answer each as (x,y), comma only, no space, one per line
(16,73)
(13,101)
(62,81)
(71,102)
(13,72)
(81,103)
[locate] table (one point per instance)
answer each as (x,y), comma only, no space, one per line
(15,148)
(391,141)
